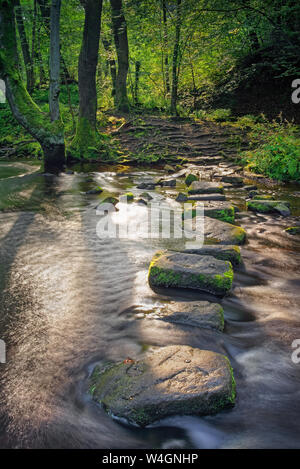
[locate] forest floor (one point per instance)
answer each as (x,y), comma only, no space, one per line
(171,138)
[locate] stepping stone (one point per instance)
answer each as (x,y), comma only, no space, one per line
(214,197)
(250,188)
(194,313)
(235,180)
(223,211)
(169,168)
(269,206)
(94,191)
(181,197)
(223,253)
(191,178)
(147,196)
(127,197)
(148,185)
(173,380)
(168,183)
(293,230)
(218,232)
(181,270)
(202,187)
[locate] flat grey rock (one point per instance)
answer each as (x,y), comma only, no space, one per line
(203,187)
(173,380)
(194,313)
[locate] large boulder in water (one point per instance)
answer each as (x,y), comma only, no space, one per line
(173,380)
(181,270)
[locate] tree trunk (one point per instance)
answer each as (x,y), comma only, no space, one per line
(175,60)
(54,60)
(121,42)
(136,84)
(166,60)
(87,67)
(49,134)
(112,65)
(28,60)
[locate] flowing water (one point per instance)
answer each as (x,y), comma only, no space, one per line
(69,300)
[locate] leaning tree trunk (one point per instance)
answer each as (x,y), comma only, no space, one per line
(49,134)
(87,67)
(28,60)
(54,60)
(175,61)
(121,42)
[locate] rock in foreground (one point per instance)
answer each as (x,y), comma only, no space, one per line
(181,270)
(174,380)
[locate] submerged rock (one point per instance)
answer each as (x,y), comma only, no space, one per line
(173,380)
(202,187)
(194,313)
(269,206)
(223,253)
(182,270)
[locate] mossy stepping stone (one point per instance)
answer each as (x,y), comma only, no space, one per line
(190,178)
(128,197)
(223,253)
(203,187)
(269,206)
(191,271)
(221,210)
(293,230)
(218,232)
(173,380)
(194,313)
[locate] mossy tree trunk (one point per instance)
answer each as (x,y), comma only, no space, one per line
(54,60)
(87,68)
(28,59)
(49,134)
(121,43)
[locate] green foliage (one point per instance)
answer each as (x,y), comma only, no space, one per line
(276,151)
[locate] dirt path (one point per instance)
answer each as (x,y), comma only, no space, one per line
(175,137)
